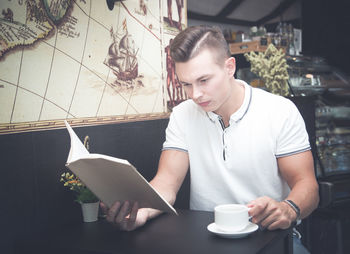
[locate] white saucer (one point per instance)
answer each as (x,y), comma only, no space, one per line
(250,228)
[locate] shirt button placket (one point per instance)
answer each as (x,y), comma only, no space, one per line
(224,144)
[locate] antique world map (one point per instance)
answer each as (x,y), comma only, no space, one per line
(64,59)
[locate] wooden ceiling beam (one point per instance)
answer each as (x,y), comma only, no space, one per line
(224,20)
(276,12)
(221,16)
(229,8)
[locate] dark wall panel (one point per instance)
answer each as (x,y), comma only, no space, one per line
(33,199)
(325,26)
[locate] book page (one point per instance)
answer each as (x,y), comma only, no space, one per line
(77,148)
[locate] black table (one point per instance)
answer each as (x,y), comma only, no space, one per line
(186,233)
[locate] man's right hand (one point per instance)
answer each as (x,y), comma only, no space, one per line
(172,169)
(125,215)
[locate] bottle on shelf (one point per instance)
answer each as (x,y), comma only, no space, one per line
(291,47)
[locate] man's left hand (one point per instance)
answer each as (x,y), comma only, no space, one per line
(271,214)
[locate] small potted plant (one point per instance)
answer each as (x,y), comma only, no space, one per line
(89,202)
(84,196)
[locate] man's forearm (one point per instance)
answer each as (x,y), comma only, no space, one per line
(305,195)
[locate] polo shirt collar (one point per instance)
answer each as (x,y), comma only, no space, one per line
(240,113)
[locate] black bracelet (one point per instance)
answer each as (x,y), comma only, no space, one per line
(294,207)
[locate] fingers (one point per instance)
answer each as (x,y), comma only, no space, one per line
(124,211)
(276,220)
(104,208)
(123,215)
(133,213)
(129,223)
(258,209)
(112,212)
(273,220)
(283,224)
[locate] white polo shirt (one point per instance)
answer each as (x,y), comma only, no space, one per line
(237,164)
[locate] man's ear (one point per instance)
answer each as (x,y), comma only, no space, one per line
(230,65)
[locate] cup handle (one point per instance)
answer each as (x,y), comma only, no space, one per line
(250,217)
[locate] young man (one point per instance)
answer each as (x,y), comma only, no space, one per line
(243,145)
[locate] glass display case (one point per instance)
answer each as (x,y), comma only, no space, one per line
(331,88)
(332,141)
(312,77)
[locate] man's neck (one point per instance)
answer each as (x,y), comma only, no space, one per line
(233,103)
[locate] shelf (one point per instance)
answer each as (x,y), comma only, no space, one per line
(248,46)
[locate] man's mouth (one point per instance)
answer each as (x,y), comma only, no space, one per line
(203,104)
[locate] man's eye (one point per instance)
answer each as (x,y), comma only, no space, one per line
(203,80)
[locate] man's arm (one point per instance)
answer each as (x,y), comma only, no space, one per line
(298,171)
(172,169)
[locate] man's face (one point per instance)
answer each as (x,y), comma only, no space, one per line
(205,81)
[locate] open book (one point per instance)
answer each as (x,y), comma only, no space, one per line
(112,179)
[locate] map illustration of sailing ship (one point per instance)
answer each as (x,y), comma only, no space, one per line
(122,57)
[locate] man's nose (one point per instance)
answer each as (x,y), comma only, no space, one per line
(196,92)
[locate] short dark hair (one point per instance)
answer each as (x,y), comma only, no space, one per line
(191,41)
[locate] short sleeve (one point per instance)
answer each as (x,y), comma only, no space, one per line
(175,132)
(293,137)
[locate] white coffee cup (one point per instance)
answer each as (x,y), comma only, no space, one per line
(231,217)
